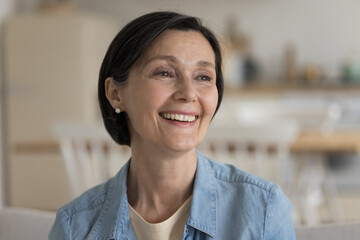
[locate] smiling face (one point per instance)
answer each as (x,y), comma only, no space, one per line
(171,95)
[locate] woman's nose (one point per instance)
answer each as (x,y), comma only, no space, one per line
(185,90)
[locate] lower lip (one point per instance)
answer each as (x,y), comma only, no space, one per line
(180,124)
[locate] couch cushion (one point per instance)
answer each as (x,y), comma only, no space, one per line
(21,223)
(348,231)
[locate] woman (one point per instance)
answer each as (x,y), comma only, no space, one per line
(160,85)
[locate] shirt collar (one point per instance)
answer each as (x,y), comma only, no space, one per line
(203,206)
(114,220)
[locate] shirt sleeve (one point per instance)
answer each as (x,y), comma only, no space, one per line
(278,218)
(61,227)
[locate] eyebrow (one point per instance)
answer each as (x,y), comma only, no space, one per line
(173,59)
(206,64)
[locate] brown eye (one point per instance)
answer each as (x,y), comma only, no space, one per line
(164,74)
(205,78)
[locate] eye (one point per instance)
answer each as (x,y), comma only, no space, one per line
(204,75)
(204,78)
(164,74)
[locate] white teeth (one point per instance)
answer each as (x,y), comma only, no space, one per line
(179,117)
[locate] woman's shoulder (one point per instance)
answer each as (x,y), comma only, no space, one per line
(235,176)
(256,206)
(78,217)
(88,200)
(79,214)
(240,181)
(96,195)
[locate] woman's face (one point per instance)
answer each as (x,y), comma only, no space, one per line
(171,93)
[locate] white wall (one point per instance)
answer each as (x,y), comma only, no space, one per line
(325,31)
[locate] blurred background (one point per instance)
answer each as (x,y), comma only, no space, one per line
(292,75)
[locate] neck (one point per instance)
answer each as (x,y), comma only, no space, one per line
(158,184)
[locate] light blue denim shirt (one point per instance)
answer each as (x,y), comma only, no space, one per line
(227,204)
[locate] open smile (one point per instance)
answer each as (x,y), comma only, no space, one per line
(179,117)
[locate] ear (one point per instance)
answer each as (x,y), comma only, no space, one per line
(113,93)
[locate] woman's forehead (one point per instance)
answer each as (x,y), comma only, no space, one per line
(178,45)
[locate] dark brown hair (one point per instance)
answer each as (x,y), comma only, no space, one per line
(129,44)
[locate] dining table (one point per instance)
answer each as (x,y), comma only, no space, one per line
(315,182)
(337,141)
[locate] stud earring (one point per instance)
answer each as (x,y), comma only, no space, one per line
(118,110)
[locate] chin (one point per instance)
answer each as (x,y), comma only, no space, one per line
(183,146)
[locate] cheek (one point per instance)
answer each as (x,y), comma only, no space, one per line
(210,102)
(146,101)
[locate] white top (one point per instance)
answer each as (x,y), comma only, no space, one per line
(170,229)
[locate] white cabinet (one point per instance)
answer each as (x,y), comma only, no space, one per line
(51,66)
(51,71)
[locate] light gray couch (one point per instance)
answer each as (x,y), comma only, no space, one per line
(344,231)
(21,223)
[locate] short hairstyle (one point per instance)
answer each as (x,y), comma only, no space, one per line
(128,46)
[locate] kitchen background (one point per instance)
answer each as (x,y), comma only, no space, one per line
(307,51)
(323,34)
